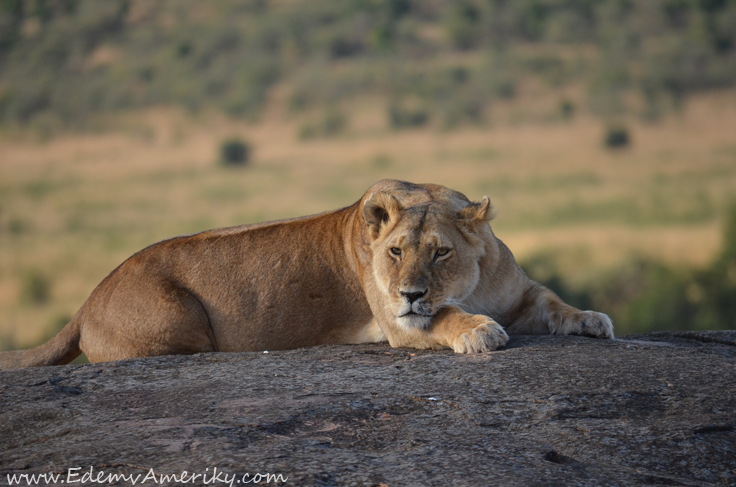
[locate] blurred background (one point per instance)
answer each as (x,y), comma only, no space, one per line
(603,131)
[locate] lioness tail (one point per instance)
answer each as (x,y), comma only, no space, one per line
(61,349)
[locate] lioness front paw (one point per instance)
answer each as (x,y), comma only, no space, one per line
(487,336)
(586,323)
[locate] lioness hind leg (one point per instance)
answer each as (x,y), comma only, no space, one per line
(144,320)
(466,333)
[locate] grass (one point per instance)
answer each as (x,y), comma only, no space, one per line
(74,206)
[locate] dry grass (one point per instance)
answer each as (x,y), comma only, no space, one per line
(75,206)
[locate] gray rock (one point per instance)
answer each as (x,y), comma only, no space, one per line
(656,409)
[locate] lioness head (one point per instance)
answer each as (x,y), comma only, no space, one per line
(427,242)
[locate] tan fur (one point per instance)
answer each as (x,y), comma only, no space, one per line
(417,265)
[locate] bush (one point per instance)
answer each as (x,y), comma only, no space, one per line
(400,117)
(334,123)
(16,226)
(235,152)
(8,342)
(617,138)
(505,88)
(567,109)
(464,26)
(36,288)
(463,108)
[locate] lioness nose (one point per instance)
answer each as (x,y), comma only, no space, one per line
(413,296)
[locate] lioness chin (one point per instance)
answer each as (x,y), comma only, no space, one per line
(414,264)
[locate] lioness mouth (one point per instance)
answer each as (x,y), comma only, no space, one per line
(412,313)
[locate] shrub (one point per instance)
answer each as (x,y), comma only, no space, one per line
(36,288)
(8,342)
(463,108)
(16,226)
(464,27)
(235,152)
(401,117)
(567,109)
(333,123)
(505,88)
(617,138)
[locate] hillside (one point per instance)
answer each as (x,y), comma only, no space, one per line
(440,62)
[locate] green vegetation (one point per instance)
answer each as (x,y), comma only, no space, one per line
(7,342)
(235,152)
(36,288)
(443,62)
(617,138)
(649,296)
(401,117)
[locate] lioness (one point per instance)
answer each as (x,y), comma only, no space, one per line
(414,264)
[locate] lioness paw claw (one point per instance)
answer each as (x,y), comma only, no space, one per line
(587,323)
(483,338)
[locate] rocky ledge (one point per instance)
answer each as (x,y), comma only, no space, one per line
(655,409)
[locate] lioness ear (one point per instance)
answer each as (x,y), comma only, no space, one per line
(476,213)
(379,210)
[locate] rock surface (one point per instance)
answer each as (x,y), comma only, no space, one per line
(656,409)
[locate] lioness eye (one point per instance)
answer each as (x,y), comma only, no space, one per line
(442,251)
(395,250)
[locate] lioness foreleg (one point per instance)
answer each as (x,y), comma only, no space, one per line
(542,311)
(466,333)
